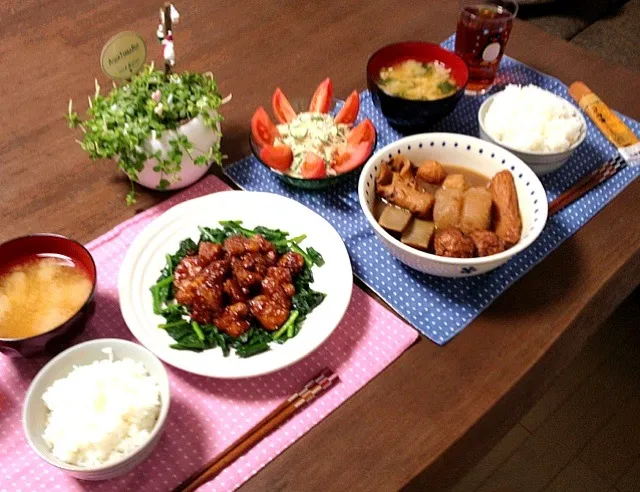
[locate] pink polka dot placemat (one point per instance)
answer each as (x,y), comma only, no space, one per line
(206,414)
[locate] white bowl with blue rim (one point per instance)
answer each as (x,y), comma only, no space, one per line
(464,152)
(540,162)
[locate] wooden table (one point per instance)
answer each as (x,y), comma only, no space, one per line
(426,418)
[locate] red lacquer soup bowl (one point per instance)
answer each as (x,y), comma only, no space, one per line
(410,115)
(22,249)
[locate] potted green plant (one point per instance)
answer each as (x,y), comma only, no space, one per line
(163,130)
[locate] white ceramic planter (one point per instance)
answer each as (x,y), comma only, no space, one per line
(201,136)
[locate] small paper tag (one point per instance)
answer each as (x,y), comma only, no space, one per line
(631,154)
(123,55)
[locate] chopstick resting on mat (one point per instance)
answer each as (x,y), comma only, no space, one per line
(250,438)
(587,183)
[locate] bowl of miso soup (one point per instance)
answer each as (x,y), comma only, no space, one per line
(47,285)
(416,84)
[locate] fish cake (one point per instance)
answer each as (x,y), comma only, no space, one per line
(452,243)
(476,210)
(404,193)
(402,165)
(385,176)
(447,208)
(506,211)
(487,243)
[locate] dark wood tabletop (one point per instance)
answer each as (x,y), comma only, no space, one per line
(434,411)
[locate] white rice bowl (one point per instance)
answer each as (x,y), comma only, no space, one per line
(531,119)
(101,412)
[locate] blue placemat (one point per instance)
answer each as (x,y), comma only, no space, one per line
(438,307)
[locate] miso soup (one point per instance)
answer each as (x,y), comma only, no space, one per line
(40,292)
(414,80)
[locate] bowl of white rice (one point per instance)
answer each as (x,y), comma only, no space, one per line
(98,409)
(536,125)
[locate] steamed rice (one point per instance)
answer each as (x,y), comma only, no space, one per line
(101,412)
(531,119)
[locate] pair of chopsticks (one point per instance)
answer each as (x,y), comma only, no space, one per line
(587,183)
(613,128)
(277,417)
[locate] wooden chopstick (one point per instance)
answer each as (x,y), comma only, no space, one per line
(250,438)
(587,183)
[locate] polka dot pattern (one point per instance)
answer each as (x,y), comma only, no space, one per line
(206,415)
(439,307)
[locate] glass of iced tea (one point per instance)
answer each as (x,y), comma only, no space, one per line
(483,30)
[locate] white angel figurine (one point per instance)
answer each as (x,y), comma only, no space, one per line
(168,52)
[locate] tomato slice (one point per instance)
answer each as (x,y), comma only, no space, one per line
(263,130)
(351,157)
(278,157)
(363,132)
(282,108)
(322,97)
(349,112)
(313,167)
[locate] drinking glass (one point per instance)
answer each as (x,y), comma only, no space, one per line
(483,30)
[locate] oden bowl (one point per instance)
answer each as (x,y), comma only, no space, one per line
(464,152)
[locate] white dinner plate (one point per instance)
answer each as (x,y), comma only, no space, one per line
(146,258)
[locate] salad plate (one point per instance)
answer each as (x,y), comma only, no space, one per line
(314,144)
(146,258)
